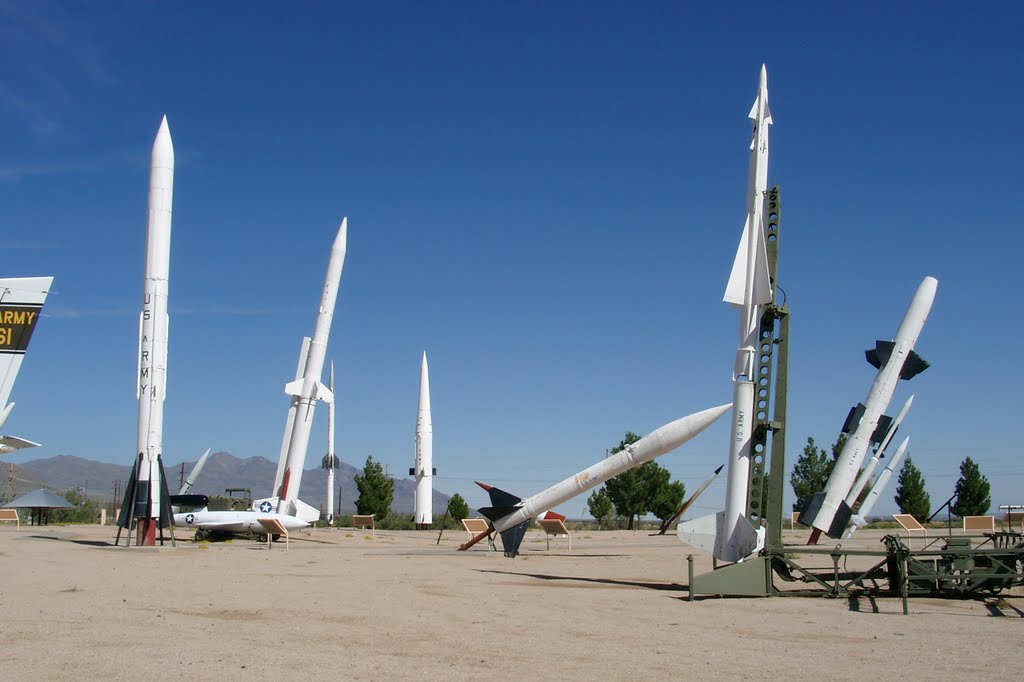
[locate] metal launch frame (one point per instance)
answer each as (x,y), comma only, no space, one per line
(954,569)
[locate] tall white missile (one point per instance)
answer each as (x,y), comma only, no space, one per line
(869,468)
(307,388)
(728,535)
(330,459)
(876,490)
(511,515)
(194,474)
(424,464)
(828,512)
(152,385)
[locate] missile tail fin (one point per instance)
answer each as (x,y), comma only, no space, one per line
(914,365)
(735,290)
(500,498)
(512,538)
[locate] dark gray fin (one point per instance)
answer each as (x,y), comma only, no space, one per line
(124,519)
(840,521)
(853,418)
(500,498)
(914,365)
(880,354)
(166,519)
(513,537)
(811,509)
(881,429)
(495,513)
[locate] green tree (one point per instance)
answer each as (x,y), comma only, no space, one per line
(86,510)
(376,490)
(911,497)
(810,473)
(667,499)
(457,508)
(627,491)
(972,491)
(600,505)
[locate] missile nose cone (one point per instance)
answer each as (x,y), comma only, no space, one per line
(163,147)
(341,241)
(764,77)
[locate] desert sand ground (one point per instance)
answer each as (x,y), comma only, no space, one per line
(345,604)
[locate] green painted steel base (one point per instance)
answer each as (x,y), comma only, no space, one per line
(750,578)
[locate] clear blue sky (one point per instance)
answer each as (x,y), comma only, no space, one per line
(546,197)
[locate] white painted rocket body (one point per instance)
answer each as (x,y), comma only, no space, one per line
(869,468)
(876,490)
(424,456)
(729,536)
(510,515)
(331,460)
(895,360)
(194,474)
(152,379)
(21,304)
(307,388)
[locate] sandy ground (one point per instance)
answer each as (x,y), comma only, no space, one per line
(347,605)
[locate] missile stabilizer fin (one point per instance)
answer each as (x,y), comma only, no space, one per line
(512,538)
(880,354)
(502,503)
(839,521)
(735,290)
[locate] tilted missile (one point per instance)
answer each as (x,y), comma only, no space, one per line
(827,512)
(728,535)
(307,388)
(510,515)
(689,502)
(876,490)
(869,469)
(194,474)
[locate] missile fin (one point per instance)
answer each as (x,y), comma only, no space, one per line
(853,418)
(882,429)
(880,354)
(512,538)
(840,521)
(811,509)
(500,498)
(496,513)
(701,532)
(735,290)
(914,365)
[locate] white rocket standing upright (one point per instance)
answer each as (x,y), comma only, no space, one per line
(424,470)
(330,460)
(728,535)
(827,512)
(152,385)
(307,388)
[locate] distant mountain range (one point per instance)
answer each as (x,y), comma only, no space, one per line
(222,470)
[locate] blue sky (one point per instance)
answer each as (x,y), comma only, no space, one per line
(546,197)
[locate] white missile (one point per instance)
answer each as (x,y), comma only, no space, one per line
(729,536)
(152,385)
(424,462)
(828,511)
(194,474)
(869,468)
(307,388)
(876,490)
(330,460)
(511,515)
